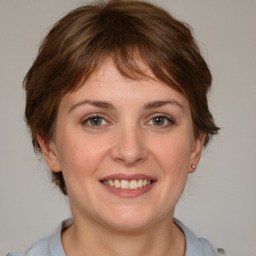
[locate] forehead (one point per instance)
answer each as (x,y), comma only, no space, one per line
(136,69)
(107,84)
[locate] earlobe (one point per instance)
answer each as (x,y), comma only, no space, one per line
(49,153)
(196,152)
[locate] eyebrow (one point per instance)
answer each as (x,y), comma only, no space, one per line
(157,104)
(107,105)
(96,103)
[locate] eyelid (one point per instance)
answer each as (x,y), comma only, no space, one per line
(162,115)
(169,118)
(86,118)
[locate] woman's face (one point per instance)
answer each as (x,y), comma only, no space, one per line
(125,148)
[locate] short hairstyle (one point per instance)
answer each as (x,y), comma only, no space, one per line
(129,32)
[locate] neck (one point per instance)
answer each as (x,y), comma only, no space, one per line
(88,239)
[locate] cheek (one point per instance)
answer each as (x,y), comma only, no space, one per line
(80,155)
(173,154)
(78,165)
(173,157)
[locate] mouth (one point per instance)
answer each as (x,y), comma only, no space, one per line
(124,184)
(128,185)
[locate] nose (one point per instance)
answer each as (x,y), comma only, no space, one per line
(129,147)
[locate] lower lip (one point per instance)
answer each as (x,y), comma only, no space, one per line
(130,193)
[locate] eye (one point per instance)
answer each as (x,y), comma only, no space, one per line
(95,121)
(161,120)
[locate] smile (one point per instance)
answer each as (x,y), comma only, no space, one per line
(127,184)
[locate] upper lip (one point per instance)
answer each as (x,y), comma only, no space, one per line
(129,177)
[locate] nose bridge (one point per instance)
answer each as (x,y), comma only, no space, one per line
(129,147)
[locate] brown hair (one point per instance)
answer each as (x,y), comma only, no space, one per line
(129,32)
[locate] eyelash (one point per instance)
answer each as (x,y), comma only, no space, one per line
(87,121)
(167,118)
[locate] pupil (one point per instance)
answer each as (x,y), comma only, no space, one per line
(96,121)
(159,120)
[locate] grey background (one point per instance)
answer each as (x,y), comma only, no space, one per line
(220,199)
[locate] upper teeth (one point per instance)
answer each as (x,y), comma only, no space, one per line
(126,184)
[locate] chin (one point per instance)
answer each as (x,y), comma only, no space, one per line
(129,220)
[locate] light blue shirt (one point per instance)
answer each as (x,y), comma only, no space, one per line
(52,246)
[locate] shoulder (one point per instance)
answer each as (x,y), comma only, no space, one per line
(221,252)
(198,246)
(48,246)
(39,248)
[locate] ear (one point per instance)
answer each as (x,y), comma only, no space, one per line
(196,152)
(49,154)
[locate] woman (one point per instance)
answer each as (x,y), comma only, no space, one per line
(116,103)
